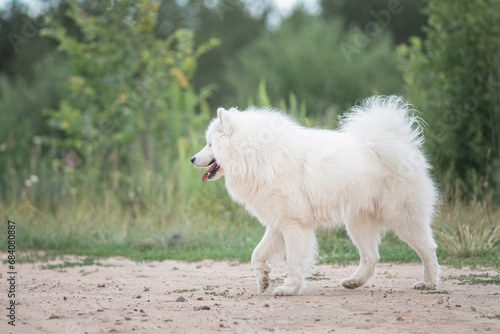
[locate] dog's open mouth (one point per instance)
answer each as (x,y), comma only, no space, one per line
(211,171)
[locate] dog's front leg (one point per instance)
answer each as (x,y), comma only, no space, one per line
(301,248)
(270,249)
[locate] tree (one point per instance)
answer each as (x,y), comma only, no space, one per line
(128,90)
(453,77)
(227,20)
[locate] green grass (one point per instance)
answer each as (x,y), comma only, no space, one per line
(69,264)
(494,316)
(436,292)
(318,277)
(469,231)
(225,232)
(233,243)
(182,291)
(278,280)
(475,279)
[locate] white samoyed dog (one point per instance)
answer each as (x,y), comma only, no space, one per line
(370,175)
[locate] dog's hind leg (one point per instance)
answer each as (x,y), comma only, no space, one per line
(270,249)
(419,237)
(365,233)
(301,249)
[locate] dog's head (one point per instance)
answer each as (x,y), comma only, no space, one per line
(237,143)
(207,157)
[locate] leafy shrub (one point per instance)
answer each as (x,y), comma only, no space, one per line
(454,79)
(128,90)
(112,168)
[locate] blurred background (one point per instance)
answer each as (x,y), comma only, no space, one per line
(102,103)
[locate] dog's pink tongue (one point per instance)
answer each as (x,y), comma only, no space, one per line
(207,173)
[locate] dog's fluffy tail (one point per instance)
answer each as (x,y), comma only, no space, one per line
(390,127)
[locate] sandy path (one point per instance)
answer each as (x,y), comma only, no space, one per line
(123,296)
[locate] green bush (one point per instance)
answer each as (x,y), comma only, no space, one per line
(453,77)
(112,163)
(128,90)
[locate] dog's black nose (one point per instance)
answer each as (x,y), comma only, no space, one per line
(193,159)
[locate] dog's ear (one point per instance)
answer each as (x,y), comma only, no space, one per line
(223,115)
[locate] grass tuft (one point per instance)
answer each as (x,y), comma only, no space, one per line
(468,230)
(475,279)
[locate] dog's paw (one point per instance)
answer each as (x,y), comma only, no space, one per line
(263,283)
(351,283)
(292,286)
(262,280)
(286,291)
(424,285)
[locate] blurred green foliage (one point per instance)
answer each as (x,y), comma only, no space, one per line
(127,89)
(453,77)
(20,33)
(22,124)
(402,18)
(103,103)
(229,21)
(319,61)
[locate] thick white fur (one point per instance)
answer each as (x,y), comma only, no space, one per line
(370,175)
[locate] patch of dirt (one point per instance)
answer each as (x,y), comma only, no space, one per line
(122,296)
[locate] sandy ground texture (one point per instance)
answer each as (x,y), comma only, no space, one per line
(122,296)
